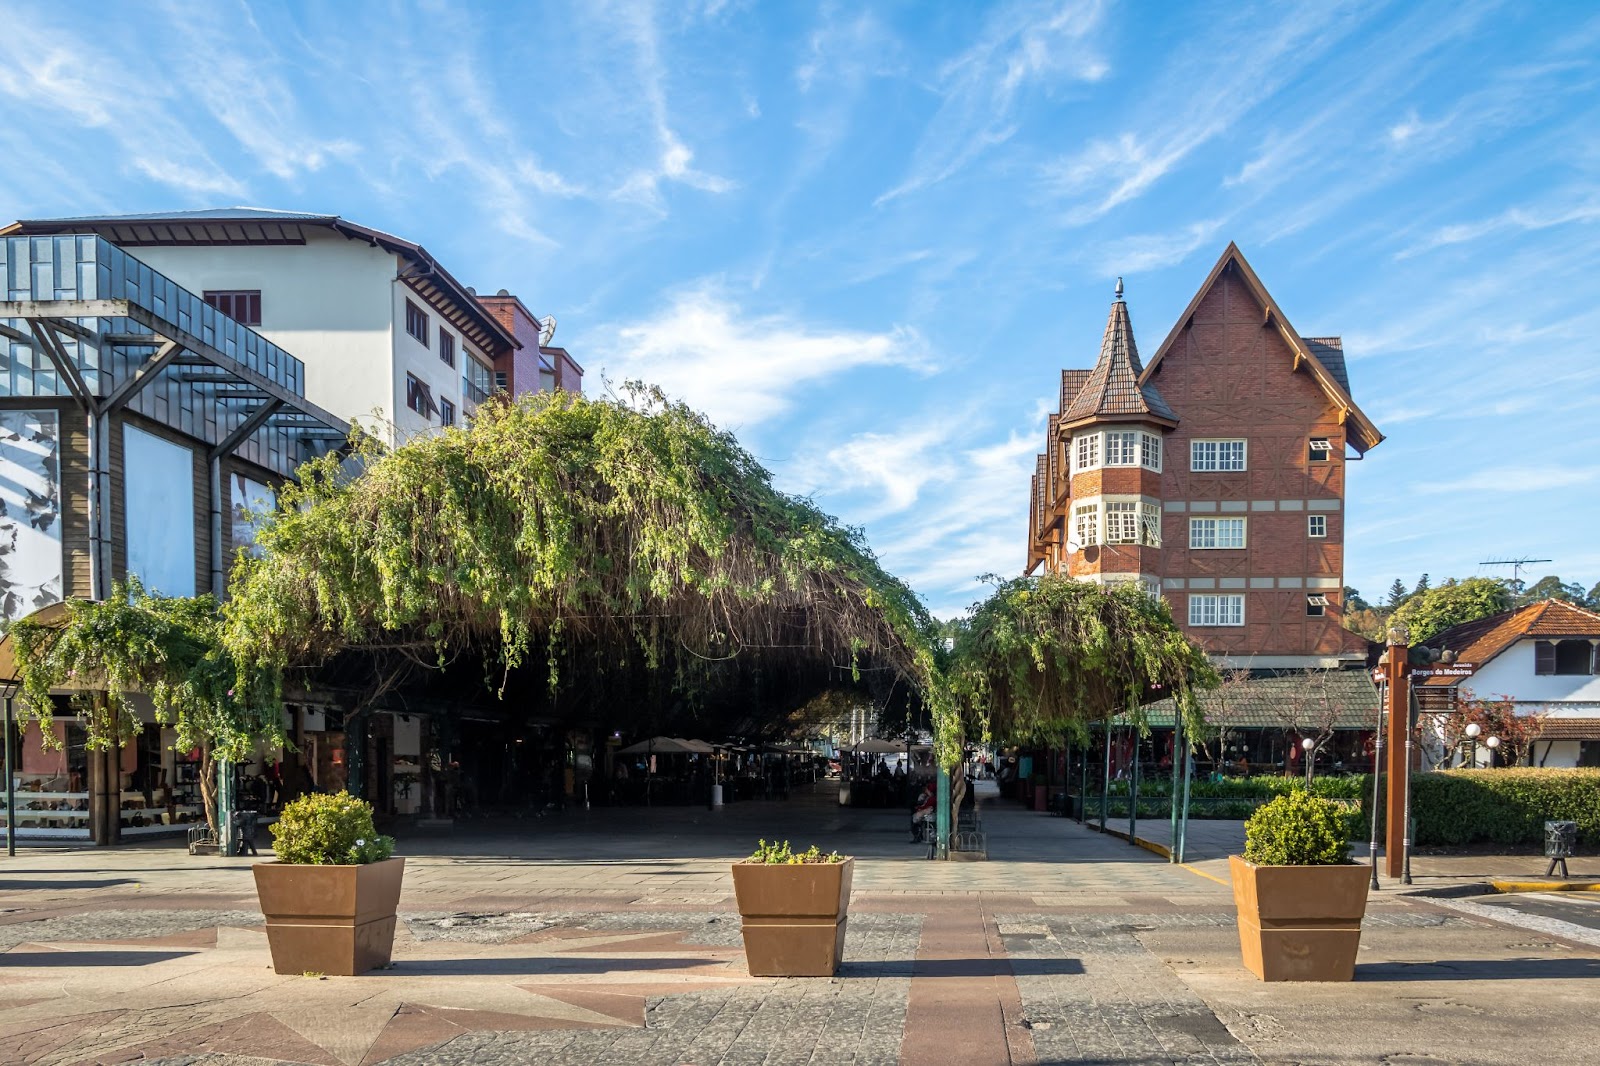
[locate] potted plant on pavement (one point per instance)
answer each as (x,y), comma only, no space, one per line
(330,898)
(793,906)
(1300,900)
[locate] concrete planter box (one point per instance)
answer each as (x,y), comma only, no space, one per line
(1299,923)
(793,916)
(335,920)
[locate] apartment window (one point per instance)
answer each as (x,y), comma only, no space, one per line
(1317,525)
(419,397)
(447,413)
(1208,455)
(1088,452)
(241,305)
(1321,450)
(1122,523)
(1216,532)
(1150,524)
(1151,589)
(1086,524)
(1221,610)
(1122,449)
(1564,657)
(1316,606)
(417,323)
(447,348)
(1150,452)
(500,380)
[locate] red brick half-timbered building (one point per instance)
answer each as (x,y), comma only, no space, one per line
(1214,475)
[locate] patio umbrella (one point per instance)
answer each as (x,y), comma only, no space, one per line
(874,746)
(664,746)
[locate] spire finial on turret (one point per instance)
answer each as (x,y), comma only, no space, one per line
(1119,290)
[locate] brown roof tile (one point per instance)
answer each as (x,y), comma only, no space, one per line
(1072,382)
(1478,642)
(1570,729)
(1112,387)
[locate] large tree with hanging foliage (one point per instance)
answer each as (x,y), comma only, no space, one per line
(168,649)
(1043,657)
(570,535)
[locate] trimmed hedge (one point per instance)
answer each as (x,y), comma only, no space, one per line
(1505,806)
(1450,807)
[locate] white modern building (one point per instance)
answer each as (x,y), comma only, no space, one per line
(387,335)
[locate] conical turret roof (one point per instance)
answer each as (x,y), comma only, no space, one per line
(1112,389)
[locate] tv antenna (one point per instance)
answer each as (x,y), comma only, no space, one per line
(1515,564)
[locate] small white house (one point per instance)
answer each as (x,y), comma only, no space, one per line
(1546,658)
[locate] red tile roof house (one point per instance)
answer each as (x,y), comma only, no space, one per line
(1546,658)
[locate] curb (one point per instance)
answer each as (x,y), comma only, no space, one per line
(1545,886)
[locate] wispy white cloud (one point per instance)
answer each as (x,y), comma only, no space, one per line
(1203,93)
(743,369)
(234,70)
(1152,251)
(1021,45)
(636,21)
(69,76)
(1511,220)
(885,471)
(1514,480)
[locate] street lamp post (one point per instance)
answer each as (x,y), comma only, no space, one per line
(1473,729)
(1308,746)
(1493,744)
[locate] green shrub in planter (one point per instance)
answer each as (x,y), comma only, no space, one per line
(1298,829)
(320,830)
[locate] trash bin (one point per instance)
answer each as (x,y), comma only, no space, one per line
(1560,841)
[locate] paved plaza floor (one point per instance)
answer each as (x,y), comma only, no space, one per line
(610,936)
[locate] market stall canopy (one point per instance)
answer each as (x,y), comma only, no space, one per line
(667,746)
(874,746)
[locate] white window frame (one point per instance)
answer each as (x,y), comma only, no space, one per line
(1086,524)
(1317,525)
(1150,523)
(1209,534)
(1122,522)
(1215,462)
(1085,452)
(1122,447)
(1316,605)
(1216,609)
(1320,445)
(1150,452)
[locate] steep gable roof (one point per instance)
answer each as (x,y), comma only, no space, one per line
(1316,355)
(1479,641)
(1114,388)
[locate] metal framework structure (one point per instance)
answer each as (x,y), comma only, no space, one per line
(81,319)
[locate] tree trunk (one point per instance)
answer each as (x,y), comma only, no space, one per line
(208,786)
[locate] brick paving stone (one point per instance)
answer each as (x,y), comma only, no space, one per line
(1093,993)
(120,925)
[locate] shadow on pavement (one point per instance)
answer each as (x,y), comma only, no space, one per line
(536,967)
(997,968)
(1480,970)
(31,886)
(89,958)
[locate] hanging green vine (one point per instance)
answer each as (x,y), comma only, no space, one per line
(168,649)
(1043,657)
(630,526)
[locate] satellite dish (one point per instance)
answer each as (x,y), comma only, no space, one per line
(547,329)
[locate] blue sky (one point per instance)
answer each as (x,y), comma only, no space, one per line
(868,238)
